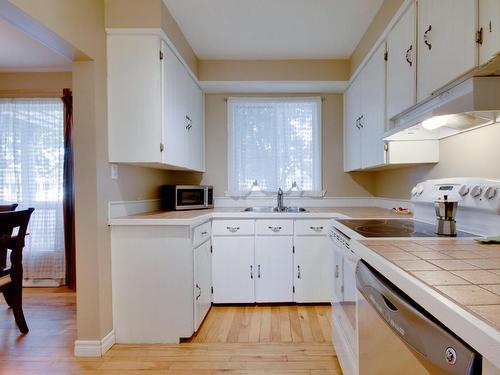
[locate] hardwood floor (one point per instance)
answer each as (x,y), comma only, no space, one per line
(236,340)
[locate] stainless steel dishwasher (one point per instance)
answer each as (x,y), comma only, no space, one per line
(396,336)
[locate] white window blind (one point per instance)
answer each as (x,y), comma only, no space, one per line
(31,174)
(274,142)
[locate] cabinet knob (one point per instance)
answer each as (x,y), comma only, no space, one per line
(258,271)
(298,272)
(251,271)
(199,289)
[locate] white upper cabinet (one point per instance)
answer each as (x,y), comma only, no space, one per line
(401,64)
(155,108)
(446,42)
(373,110)
(364,111)
(352,134)
(489,28)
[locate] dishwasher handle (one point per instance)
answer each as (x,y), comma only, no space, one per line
(426,336)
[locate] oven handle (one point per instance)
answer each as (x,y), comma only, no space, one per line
(427,337)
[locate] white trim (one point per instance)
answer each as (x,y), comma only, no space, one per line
(268,87)
(53,68)
(94,348)
(118,209)
(159,32)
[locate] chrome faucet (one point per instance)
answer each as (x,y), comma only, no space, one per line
(279,205)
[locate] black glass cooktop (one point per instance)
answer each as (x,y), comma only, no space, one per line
(394,228)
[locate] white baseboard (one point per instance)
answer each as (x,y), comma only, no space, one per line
(94,348)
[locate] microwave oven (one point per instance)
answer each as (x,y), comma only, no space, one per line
(186,197)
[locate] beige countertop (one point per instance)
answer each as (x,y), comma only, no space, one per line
(195,217)
(456,280)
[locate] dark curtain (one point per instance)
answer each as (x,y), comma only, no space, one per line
(68,200)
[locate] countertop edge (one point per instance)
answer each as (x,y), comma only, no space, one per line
(480,335)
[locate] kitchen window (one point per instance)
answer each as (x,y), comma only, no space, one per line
(273,143)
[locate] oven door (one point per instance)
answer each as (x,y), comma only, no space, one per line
(190,197)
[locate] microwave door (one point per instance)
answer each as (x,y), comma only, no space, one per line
(190,198)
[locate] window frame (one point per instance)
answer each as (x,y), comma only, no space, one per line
(284,99)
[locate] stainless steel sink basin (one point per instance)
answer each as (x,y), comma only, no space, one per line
(274,209)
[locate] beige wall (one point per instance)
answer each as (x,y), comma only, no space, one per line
(149,14)
(471,154)
(81,23)
(335,181)
(273,70)
(34,84)
(376,28)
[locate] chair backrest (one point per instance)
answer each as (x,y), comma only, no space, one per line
(8,207)
(9,221)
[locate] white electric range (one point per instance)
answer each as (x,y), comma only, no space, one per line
(478,214)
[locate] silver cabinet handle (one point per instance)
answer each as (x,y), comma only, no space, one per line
(233,229)
(189,123)
(251,271)
(336,271)
(316,229)
(204,233)
(298,272)
(357,122)
(361,121)
(275,229)
(199,295)
(258,271)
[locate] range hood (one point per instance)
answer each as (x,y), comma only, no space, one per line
(468,103)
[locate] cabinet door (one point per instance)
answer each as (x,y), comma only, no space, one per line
(134,98)
(196,132)
(401,64)
(202,282)
(233,269)
(489,22)
(274,262)
(373,110)
(352,133)
(446,42)
(175,137)
(313,265)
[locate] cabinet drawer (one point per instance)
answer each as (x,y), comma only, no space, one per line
(202,233)
(274,227)
(233,227)
(311,227)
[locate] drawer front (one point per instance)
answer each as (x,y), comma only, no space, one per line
(233,227)
(202,233)
(312,227)
(274,227)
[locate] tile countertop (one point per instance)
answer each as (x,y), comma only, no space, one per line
(195,217)
(456,280)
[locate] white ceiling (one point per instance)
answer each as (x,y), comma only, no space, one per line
(273,29)
(20,52)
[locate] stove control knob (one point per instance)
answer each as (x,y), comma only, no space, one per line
(464,190)
(490,192)
(420,189)
(476,191)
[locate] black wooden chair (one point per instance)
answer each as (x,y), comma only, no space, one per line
(8,207)
(11,278)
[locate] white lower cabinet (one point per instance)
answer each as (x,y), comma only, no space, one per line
(271,265)
(274,262)
(233,269)
(313,269)
(202,282)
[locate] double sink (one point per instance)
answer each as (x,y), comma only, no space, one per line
(275,209)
